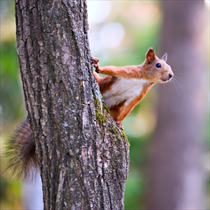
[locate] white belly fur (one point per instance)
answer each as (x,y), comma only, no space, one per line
(124,89)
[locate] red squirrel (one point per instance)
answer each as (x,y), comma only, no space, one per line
(122,89)
(126,86)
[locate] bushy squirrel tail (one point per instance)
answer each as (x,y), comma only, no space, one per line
(20,152)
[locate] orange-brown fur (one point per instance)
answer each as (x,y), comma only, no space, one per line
(105,82)
(122,90)
(124,71)
(115,110)
(127,109)
(146,73)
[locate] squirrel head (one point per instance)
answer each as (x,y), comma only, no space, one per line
(156,70)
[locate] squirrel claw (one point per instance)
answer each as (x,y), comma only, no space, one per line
(120,125)
(94,60)
(97,68)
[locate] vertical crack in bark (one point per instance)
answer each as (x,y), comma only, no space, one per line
(109,195)
(75,34)
(51,71)
(59,196)
(39,25)
(52,152)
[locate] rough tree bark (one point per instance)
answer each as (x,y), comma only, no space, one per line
(176,174)
(83,156)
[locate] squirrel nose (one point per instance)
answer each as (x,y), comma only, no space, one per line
(170,76)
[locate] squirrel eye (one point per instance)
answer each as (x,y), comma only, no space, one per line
(158,65)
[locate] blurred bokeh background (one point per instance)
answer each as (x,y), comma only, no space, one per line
(168,131)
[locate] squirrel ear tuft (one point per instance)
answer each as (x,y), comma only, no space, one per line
(165,57)
(150,56)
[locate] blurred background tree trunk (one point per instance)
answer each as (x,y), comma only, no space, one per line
(177,177)
(83,156)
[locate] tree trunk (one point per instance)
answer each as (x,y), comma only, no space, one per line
(83,156)
(177,177)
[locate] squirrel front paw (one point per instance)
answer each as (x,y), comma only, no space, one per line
(94,62)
